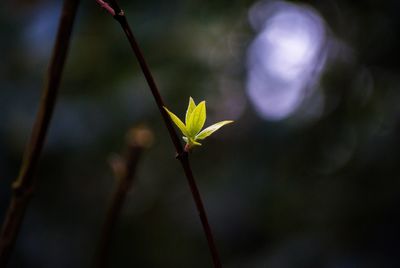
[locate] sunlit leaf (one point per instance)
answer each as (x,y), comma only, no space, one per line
(211,129)
(193,142)
(196,119)
(177,122)
(190,109)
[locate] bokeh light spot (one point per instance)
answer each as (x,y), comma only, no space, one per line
(286,56)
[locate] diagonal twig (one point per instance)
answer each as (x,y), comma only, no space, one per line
(23,186)
(183,156)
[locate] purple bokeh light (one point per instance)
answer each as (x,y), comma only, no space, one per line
(285,58)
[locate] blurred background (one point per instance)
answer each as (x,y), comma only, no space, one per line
(307,176)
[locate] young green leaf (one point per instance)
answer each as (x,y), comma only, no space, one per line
(211,129)
(191,107)
(196,119)
(191,142)
(194,142)
(177,122)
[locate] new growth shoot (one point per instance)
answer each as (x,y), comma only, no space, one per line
(194,122)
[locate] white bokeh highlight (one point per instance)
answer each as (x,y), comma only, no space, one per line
(285,58)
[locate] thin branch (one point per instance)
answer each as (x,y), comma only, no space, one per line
(182,155)
(124,169)
(106,6)
(23,186)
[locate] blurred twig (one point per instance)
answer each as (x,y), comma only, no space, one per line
(124,170)
(113,8)
(23,186)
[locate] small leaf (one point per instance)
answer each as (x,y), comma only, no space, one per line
(196,119)
(190,109)
(177,122)
(211,129)
(193,142)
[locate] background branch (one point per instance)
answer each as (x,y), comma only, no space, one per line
(24,185)
(124,169)
(182,155)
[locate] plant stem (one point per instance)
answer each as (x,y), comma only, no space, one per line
(23,186)
(182,155)
(124,170)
